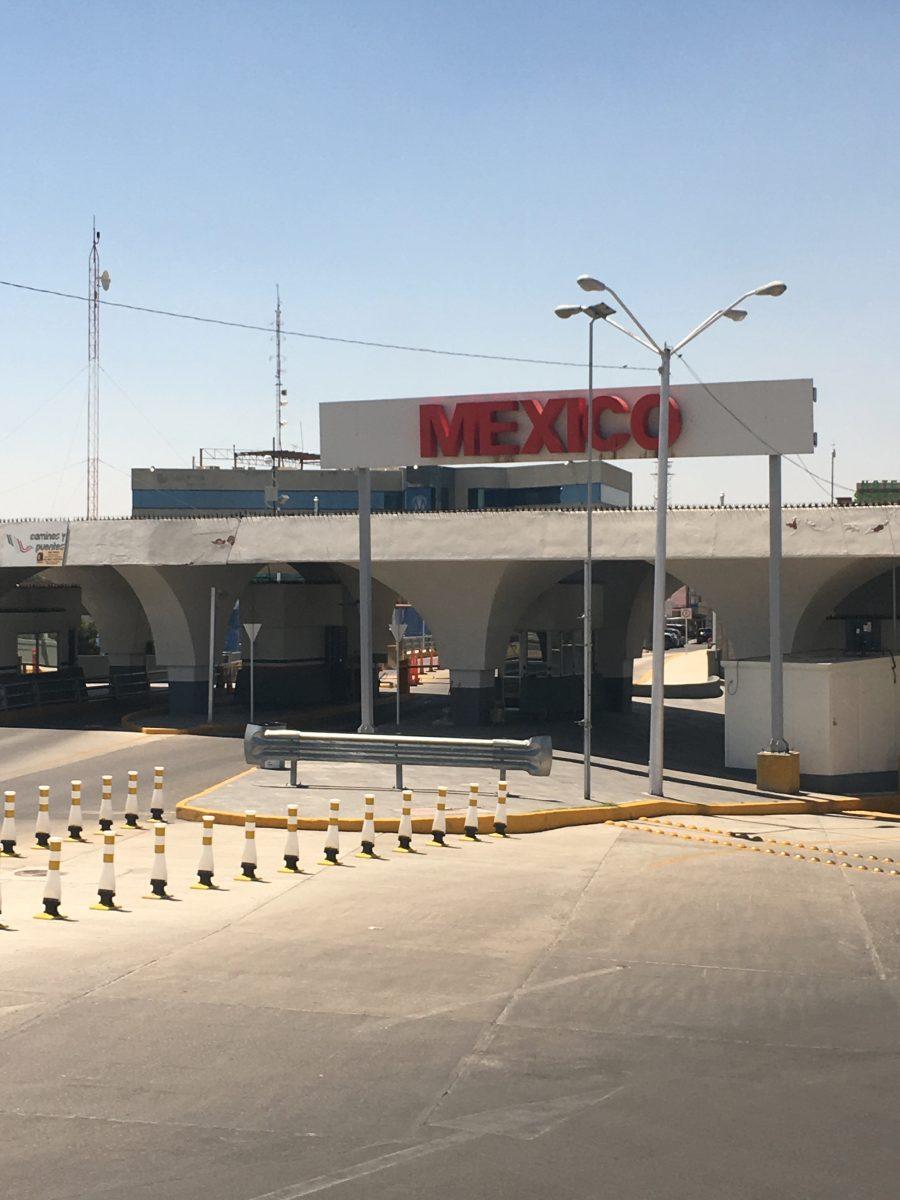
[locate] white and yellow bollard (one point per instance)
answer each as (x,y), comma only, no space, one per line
(500,811)
(404,830)
(8,828)
(52,885)
(292,843)
(131,802)
(75,822)
(471,826)
(206,867)
(106,889)
(439,824)
(367,838)
(2,925)
(105,816)
(42,823)
(158,799)
(159,876)
(248,854)
(333,836)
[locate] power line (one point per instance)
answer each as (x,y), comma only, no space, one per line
(320,337)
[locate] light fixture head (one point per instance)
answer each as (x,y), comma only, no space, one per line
(588,283)
(775,288)
(564,311)
(735,314)
(599,312)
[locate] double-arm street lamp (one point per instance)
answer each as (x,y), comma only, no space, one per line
(733,313)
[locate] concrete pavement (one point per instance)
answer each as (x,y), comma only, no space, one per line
(595,1011)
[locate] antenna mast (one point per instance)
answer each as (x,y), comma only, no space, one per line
(93,405)
(280,390)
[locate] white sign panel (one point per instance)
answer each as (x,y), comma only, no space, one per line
(39,546)
(764,417)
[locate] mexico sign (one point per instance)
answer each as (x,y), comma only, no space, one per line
(705,421)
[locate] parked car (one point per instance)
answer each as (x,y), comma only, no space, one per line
(704,637)
(677,634)
(672,642)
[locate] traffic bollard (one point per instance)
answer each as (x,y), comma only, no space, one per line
(105,816)
(471,826)
(206,866)
(367,838)
(248,854)
(52,885)
(160,874)
(404,831)
(106,889)
(8,829)
(131,802)
(158,799)
(291,843)
(333,836)
(500,811)
(75,823)
(439,824)
(42,823)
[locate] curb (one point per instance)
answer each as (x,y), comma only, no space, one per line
(544,820)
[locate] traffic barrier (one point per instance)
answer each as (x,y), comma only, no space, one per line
(291,844)
(471,826)
(413,670)
(160,873)
(439,824)
(206,866)
(52,885)
(8,828)
(332,837)
(131,802)
(500,811)
(248,854)
(106,889)
(74,822)
(105,816)
(42,823)
(404,829)
(367,839)
(158,799)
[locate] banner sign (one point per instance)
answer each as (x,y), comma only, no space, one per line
(705,421)
(39,546)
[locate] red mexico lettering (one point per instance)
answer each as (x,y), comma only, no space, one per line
(543,426)
(491,429)
(437,434)
(640,421)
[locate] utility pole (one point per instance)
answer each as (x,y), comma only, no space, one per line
(833,454)
(96,281)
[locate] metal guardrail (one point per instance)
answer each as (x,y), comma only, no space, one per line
(270,746)
(38,690)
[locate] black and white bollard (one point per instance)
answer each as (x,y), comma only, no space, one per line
(333,836)
(42,823)
(292,843)
(52,885)
(107,886)
(471,826)
(367,838)
(158,799)
(248,854)
(500,811)
(8,828)
(206,866)
(75,822)
(439,824)
(404,831)
(131,802)
(105,816)
(159,875)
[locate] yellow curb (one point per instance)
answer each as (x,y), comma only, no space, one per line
(541,820)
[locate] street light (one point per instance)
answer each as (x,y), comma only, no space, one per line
(594,312)
(732,312)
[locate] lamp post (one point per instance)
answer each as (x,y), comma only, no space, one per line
(594,312)
(664,352)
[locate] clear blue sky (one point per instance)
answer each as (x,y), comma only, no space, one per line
(438,174)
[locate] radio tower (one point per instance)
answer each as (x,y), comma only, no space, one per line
(280,391)
(96,281)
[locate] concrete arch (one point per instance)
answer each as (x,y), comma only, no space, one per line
(116,611)
(813,630)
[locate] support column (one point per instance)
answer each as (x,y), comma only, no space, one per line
(472,696)
(366,706)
